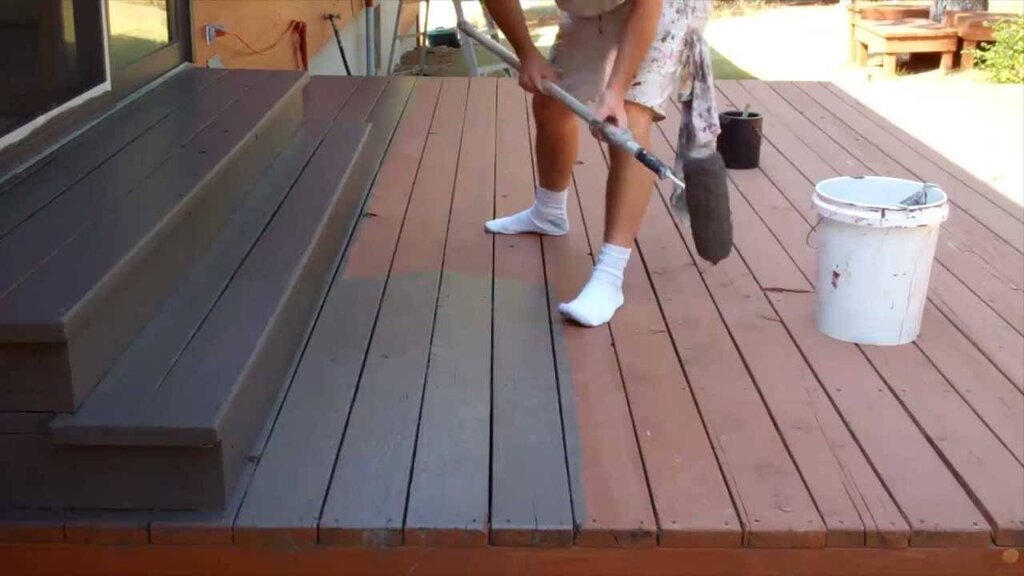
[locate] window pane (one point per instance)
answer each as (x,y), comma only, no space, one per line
(52,52)
(137,29)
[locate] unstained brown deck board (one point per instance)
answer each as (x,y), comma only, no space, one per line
(931,158)
(690,496)
(996,338)
(900,452)
(853,503)
(963,364)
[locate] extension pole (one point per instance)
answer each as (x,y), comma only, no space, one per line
(615,135)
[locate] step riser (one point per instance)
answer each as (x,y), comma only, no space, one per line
(134,477)
(40,474)
(58,376)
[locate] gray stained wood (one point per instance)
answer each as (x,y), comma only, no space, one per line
(152,354)
(449,489)
(284,500)
(367,497)
(121,130)
(530,500)
(134,257)
(198,391)
(38,238)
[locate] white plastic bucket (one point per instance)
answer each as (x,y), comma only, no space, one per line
(874,258)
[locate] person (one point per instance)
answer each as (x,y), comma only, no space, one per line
(625,57)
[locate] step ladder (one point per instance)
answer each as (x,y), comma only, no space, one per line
(468,47)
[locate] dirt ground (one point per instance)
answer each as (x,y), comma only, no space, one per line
(978,125)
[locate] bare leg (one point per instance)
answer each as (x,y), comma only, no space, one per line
(557,144)
(627,196)
(629,183)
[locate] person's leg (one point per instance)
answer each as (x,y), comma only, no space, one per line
(557,142)
(629,182)
(627,194)
(556,148)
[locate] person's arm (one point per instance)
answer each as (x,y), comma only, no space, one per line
(637,36)
(508,15)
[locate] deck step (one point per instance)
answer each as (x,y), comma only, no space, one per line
(65,322)
(181,408)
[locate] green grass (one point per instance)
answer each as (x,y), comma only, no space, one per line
(725,69)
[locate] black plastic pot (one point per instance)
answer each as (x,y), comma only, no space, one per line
(740,140)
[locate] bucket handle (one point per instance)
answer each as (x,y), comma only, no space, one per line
(812,231)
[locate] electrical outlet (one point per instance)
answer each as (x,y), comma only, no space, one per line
(211,32)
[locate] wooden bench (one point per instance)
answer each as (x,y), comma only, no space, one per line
(907,36)
(859,11)
(972,28)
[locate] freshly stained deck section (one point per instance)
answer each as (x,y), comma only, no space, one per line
(441,400)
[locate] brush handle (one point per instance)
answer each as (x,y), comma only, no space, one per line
(613,134)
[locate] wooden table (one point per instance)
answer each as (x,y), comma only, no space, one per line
(908,36)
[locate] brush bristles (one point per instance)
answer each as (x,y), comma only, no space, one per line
(707,200)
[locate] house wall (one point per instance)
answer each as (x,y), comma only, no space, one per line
(261,23)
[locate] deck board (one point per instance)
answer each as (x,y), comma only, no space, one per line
(38,237)
(85,154)
(611,502)
(531,503)
(444,409)
(672,430)
(997,339)
(854,505)
(932,159)
(285,499)
(367,497)
(449,491)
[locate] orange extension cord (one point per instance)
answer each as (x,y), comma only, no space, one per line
(296,27)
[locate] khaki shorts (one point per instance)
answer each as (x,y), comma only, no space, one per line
(678,60)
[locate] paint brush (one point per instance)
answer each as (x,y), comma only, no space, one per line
(704,199)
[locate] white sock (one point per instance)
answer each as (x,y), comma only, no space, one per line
(602,295)
(546,216)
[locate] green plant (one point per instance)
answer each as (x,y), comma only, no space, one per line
(1004,60)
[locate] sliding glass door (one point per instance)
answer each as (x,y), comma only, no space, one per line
(52,54)
(147,39)
(57,54)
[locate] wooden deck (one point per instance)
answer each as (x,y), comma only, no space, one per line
(444,419)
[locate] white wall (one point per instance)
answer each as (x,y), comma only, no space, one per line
(353,36)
